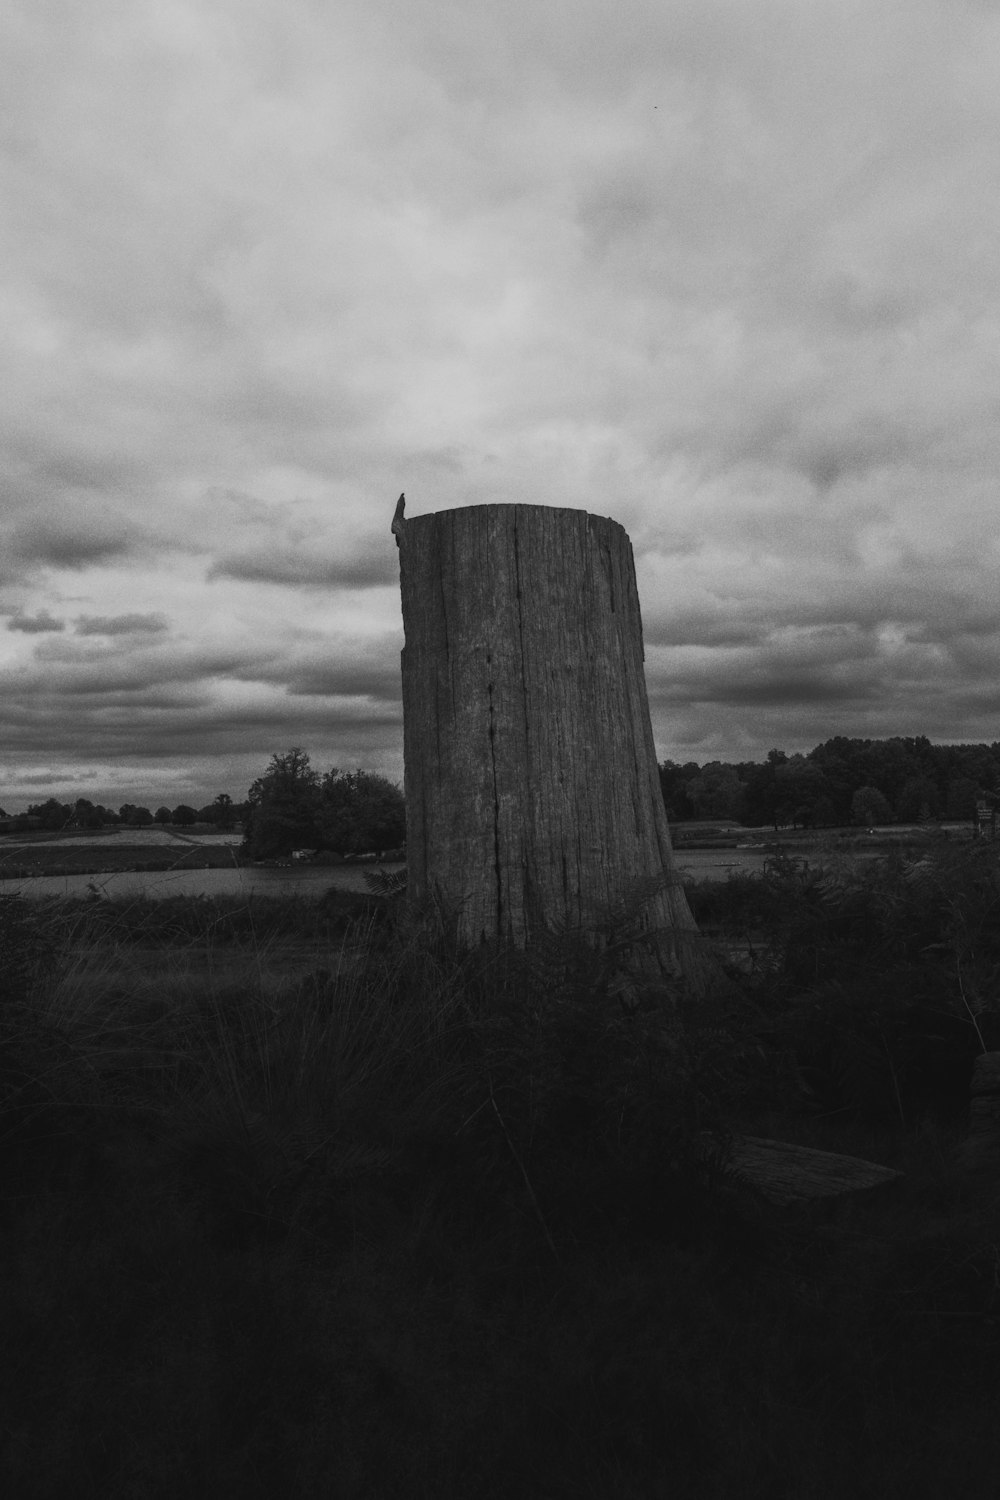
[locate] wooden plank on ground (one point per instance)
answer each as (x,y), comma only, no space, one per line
(784,1173)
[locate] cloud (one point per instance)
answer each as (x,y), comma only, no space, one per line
(55,542)
(338,666)
(144,702)
(177,731)
(291,569)
(69,669)
(36,624)
(719,271)
(151,624)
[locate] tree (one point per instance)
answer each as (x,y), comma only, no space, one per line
(85,814)
(675,781)
(163,815)
(961,793)
(800,787)
(761,793)
(184,816)
(823,814)
(533,796)
(360,811)
(138,817)
(918,800)
(839,780)
(221,812)
(283,807)
(717,792)
(869,807)
(54,814)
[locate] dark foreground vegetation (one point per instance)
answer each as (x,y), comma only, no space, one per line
(296,1202)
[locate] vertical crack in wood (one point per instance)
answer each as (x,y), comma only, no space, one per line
(520,640)
(444,626)
(497,862)
(526,707)
(610,564)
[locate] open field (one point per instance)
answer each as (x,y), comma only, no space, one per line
(114,849)
(297,1201)
(701,851)
(306,882)
(69,857)
(108,838)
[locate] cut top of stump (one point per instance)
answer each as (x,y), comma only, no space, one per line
(785,1174)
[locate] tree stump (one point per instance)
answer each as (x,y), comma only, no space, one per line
(533,797)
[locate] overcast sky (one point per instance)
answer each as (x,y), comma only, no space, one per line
(725,270)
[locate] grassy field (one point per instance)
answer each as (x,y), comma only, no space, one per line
(298,1202)
(25,857)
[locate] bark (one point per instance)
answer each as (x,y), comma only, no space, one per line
(532,788)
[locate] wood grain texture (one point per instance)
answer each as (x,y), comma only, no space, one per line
(532,787)
(784,1173)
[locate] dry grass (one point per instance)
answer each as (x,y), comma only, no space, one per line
(420,1226)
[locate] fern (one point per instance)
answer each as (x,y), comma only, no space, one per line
(386,882)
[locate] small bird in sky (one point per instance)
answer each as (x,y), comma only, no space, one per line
(397,520)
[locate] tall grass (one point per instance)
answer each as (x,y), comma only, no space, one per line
(313,1205)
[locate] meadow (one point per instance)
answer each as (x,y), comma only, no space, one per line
(29,856)
(298,1201)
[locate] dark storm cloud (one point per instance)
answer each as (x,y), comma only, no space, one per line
(291,569)
(36,624)
(799,684)
(162,725)
(935,600)
(152,624)
(66,668)
(99,675)
(339,667)
(775,688)
(347,679)
(134,698)
(64,543)
(704,627)
(809,666)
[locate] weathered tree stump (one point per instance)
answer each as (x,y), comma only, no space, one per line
(532,788)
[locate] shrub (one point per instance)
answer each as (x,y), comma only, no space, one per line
(24,947)
(884,976)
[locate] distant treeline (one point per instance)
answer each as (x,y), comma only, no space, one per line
(53,816)
(843,781)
